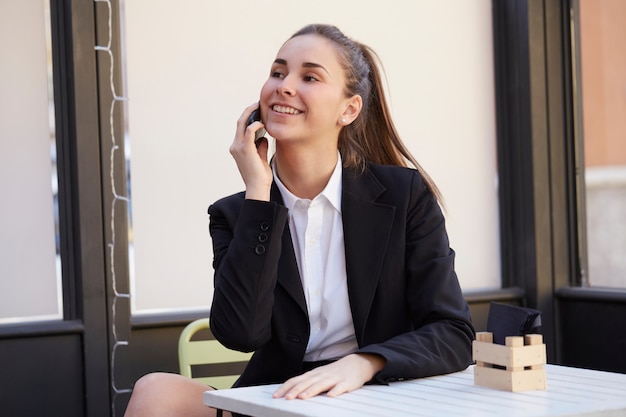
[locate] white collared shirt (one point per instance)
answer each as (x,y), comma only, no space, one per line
(317,233)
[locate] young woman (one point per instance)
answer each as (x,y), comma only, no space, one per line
(334,265)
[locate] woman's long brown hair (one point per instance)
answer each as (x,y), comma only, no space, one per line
(372,137)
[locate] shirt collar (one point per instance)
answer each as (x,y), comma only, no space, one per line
(332,191)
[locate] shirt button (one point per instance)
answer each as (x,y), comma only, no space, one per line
(259,249)
(262,237)
(265,226)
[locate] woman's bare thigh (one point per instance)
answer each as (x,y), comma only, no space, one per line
(168,395)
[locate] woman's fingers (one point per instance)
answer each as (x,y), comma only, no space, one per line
(339,377)
(246,131)
(306,385)
(251,159)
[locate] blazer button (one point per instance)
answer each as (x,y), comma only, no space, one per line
(262,237)
(259,250)
(265,226)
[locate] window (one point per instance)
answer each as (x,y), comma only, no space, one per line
(186,89)
(30,271)
(602,76)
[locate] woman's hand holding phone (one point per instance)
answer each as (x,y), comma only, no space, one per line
(255,116)
(250,154)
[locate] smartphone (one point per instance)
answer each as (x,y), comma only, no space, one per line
(256,117)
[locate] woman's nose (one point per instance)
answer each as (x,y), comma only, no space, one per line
(286,87)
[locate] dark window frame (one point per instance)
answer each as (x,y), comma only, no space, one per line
(80,191)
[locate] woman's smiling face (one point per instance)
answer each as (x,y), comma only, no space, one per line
(304,96)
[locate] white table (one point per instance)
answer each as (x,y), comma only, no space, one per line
(570,392)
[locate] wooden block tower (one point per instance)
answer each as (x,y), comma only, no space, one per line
(516,366)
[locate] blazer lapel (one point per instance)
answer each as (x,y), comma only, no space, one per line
(289,275)
(367,226)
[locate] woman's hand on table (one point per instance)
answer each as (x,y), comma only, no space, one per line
(344,375)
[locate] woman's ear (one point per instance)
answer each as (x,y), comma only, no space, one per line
(352,109)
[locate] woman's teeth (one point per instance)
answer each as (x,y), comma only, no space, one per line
(287,110)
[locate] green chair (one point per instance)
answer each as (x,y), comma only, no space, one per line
(226,364)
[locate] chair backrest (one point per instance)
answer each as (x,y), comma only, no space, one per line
(226,364)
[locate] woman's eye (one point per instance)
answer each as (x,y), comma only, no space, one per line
(310,78)
(277,74)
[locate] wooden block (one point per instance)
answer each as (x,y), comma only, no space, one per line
(510,380)
(486,337)
(522,356)
(514,341)
(507,356)
(533,339)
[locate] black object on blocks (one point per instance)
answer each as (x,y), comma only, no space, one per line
(508,320)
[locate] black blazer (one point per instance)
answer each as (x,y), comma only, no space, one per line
(404,294)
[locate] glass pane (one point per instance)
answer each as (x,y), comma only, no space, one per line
(603,85)
(187,87)
(30,277)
